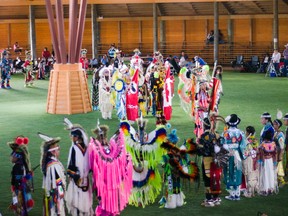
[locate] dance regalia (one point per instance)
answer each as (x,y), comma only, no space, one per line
(21,177)
(235,141)
(21,187)
(95,88)
(250,167)
(202,105)
(267,159)
(54,184)
(184,90)
(168,93)
(79,191)
(28,69)
(112,174)
(212,163)
(5,66)
(177,166)
(146,155)
(105,85)
(279,140)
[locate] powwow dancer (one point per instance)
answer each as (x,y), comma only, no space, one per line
(250,168)
(268,125)
(21,177)
(5,66)
(267,161)
(279,139)
(112,171)
(176,166)
(146,155)
(95,88)
(28,69)
(214,158)
(235,142)
(84,60)
(79,192)
(105,84)
(285,122)
(54,179)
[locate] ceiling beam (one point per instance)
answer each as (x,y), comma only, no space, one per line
(228,8)
(161,11)
(42,2)
(286,2)
(259,6)
(193,8)
(128,9)
(223,17)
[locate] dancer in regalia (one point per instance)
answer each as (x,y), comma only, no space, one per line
(267,162)
(5,66)
(285,122)
(21,177)
(28,69)
(112,171)
(79,192)
(95,88)
(279,139)
(176,166)
(268,125)
(54,179)
(250,167)
(235,142)
(146,155)
(214,158)
(105,84)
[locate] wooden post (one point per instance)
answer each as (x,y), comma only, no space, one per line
(216,31)
(32,32)
(95,31)
(251,39)
(275,25)
(68,91)
(73,6)
(155,28)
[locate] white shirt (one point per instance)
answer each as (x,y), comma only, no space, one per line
(276,57)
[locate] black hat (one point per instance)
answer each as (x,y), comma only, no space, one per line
(285,116)
(278,122)
(232,120)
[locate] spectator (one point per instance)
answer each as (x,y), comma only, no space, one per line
(94,63)
(210,37)
(104,60)
(220,37)
(276,56)
(17,48)
(285,54)
(111,51)
(265,63)
(183,59)
(46,54)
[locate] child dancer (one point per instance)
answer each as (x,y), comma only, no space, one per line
(250,168)
(54,179)
(21,177)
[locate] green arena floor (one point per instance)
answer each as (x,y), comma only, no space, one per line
(22,112)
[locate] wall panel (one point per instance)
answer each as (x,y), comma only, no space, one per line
(241,30)
(4,36)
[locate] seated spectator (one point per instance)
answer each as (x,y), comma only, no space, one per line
(104,60)
(17,48)
(94,63)
(220,37)
(210,37)
(265,63)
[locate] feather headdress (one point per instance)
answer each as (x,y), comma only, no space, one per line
(76,127)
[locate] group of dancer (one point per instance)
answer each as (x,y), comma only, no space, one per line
(125,168)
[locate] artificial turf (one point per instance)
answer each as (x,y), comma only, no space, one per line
(23,112)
